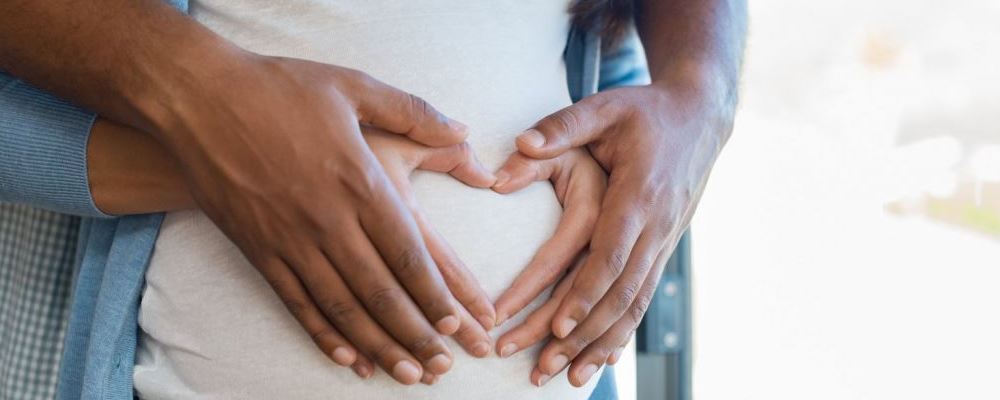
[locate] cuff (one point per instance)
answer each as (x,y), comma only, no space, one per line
(43,150)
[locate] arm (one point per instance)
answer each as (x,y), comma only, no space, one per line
(254,137)
(132,173)
(658,143)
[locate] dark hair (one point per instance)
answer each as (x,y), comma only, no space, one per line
(609,18)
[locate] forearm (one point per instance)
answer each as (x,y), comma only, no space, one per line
(132,173)
(130,60)
(695,46)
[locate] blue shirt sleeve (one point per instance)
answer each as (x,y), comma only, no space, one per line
(623,65)
(43,150)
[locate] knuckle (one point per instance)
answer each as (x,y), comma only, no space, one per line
(418,108)
(297,307)
(384,300)
(364,181)
(320,336)
(566,120)
(423,344)
(339,312)
(581,305)
(625,297)
(464,330)
(409,263)
(648,198)
(382,353)
(615,260)
(355,80)
(581,342)
(639,308)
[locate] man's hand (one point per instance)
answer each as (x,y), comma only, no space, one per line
(658,147)
(272,151)
(132,173)
(400,157)
(274,155)
(658,143)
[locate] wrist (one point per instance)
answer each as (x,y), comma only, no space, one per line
(129,172)
(704,91)
(169,86)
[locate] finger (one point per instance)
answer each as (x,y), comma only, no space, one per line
(289,289)
(429,378)
(472,336)
(538,378)
(339,306)
(462,283)
(618,227)
(535,328)
(520,171)
(391,228)
(385,300)
(616,355)
(394,110)
(460,162)
(619,298)
(363,367)
(573,126)
(581,196)
(609,345)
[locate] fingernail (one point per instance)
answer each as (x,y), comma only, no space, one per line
(559,362)
(508,349)
(363,371)
(447,325)
(486,321)
(343,356)
(502,178)
(564,327)
(439,364)
(501,318)
(406,372)
(587,372)
(481,349)
(542,379)
(532,138)
(616,355)
(457,126)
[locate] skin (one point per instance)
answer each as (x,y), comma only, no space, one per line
(131,173)
(221,105)
(226,117)
(658,143)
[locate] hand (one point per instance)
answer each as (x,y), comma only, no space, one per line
(658,147)
(273,154)
(579,185)
(131,173)
(400,157)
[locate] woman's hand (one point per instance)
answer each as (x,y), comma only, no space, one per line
(658,146)
(579,185)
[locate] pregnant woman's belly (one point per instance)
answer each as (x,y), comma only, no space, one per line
(213,328)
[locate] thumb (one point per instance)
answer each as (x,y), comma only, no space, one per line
(573,126)
(460,162)
(383,106)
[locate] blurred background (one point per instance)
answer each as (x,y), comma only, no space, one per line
(848,243)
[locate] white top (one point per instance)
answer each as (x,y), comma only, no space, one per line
(211,326)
